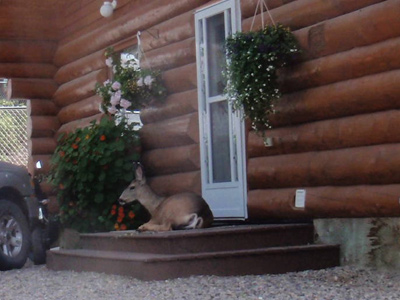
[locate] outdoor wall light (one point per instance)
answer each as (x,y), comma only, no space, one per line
(107,9)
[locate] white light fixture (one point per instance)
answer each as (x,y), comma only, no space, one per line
(107,9)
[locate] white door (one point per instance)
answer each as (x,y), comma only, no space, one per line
(221,129)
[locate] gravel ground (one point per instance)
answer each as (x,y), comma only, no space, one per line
(37,282)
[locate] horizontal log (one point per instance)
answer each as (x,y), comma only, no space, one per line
(145,16)
(31,26)
(86,24)
(180,79)
(80,88)
(174,132)
(80,67)
(41,145)
(364,165)
(176,183)
(41,107)
(45,160)
(172,160)
(31,51)
(342,66)
(374,24)
(80,110)
(26,70)
(175,105)
(326,202)
(71,126)
(248,7)
(171,56)
(33,88)
(168,32)
(303,13)
(355,131)
(357,96)
(42,126)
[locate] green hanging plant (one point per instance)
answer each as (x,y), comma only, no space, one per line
(251,74)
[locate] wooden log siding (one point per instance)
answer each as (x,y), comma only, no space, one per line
(374,24)
(42,126)
(327,202)
(357,96)
(302,13)
(30,51)
(350,64)
(27,88)
(353,166)
(181,79)
(79,88)
(143,17)
(174,132)
(81,67)
(80,123)
(27,70)
(41,145)
(355,131)
(80,110)
(171,56)
(175,105)
(168,32)
(39,107)
(172,160)
(168,185)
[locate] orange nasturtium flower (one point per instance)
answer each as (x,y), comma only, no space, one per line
(131,215)
(113,212)
(102,138)
(119,220)
(75,146)
(123,227)
(87,137)
(78,139)
(61,153)
(116,226)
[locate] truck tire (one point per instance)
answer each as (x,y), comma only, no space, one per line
(14,236)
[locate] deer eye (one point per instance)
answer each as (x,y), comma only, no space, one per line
(132,187)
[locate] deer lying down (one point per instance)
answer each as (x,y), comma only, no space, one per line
(180,211)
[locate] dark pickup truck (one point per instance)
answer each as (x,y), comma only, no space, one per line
(23,218)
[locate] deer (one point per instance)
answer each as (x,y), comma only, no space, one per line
(180,211)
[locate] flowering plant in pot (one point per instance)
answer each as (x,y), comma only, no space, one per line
(91,167)
(131,86)
(253,60)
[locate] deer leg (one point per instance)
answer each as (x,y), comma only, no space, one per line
(149,226)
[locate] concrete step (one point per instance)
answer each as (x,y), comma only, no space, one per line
(221,238)
(155,266)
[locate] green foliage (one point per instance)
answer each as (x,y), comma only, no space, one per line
(91,167)
(253,60)
(131,87)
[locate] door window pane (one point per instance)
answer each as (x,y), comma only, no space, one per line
(216,53)
(221,162)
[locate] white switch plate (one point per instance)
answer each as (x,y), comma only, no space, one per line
(300,199)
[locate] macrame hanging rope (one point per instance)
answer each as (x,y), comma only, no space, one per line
(261,5)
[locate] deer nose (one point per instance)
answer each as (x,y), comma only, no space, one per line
(121,201)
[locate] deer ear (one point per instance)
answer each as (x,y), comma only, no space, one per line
(139,173)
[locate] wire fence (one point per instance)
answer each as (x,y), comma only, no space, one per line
(13,135)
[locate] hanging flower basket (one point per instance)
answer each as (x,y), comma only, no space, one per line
(131,87)
(253,60)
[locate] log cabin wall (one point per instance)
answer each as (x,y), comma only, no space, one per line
(170,130)
(336,131)
(28,41)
